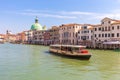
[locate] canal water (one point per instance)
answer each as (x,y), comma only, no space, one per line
(33,62)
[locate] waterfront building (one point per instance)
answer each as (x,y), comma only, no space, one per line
(9,37)
(85,35)
(68,33)
(36,33)
(54,35)
(19,38)
(108,30)
(47,40)
(96,36)
(38,36)
(25,33)
(2,37)
(29,36)
(22,37)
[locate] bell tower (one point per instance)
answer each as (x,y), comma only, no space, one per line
(36,19)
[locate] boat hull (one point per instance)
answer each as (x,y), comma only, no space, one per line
(80,57)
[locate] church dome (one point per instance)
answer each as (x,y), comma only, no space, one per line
(36,25)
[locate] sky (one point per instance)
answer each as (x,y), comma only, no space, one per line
(18,15)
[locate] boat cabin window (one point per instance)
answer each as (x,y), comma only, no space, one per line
(55,47)
(77,49)
(69,49)
(64,48)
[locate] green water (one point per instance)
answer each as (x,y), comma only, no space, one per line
(31,62)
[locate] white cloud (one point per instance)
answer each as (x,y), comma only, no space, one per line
(49,15)
(115,14)
(76,15)
(56,14)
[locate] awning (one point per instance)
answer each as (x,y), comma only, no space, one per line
(112,42)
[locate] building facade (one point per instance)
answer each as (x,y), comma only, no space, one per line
(36,34)
(47,39)
(68,33)
(2,38)
(85,35)
(108,30)
(54,35)
(38,37)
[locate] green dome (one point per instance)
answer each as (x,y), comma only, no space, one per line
(36,26)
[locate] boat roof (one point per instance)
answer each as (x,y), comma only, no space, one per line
(77,46)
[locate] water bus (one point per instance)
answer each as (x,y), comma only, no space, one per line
(72,51)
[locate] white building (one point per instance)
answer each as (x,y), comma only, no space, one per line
(38,36)
(108,30)
(95,35)
(85,35)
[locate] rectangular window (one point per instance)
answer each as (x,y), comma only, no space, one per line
(76,35)
(91,37)
(118,27)
(112,35)
(109,28)
(113,28)
(95,29)
(95,35)
(117,34)
(102,35)
(85,27)
(108,35)
(99,29)
(105,28)
(69,34)
(102,22)
(81,37)
(102,29)
(85,31)
(105,35)
(99,35)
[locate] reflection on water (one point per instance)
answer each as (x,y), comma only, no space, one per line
(31,62)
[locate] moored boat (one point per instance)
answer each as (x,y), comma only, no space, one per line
(72,51)
(1,42)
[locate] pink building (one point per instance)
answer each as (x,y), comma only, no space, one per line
(47,40)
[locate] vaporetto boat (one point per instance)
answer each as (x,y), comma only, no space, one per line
(71,51)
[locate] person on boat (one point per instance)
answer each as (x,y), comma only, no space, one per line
(70,49)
